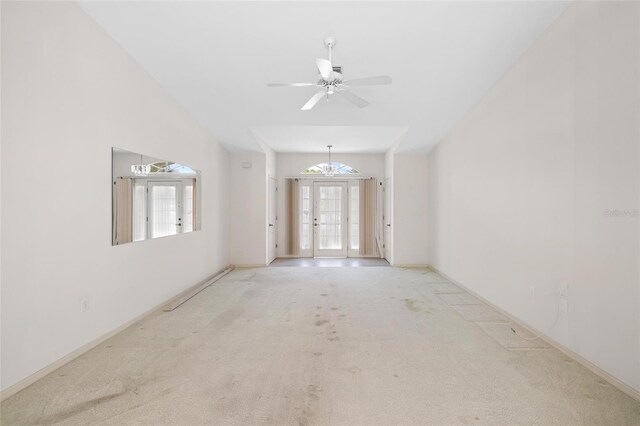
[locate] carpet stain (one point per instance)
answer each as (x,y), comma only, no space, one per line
(412,305)
(306,415)
(313,391)
(78,408)
(321,322)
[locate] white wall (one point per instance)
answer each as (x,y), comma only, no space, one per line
(247,208)
(289,165)
(520,188)
(70,93)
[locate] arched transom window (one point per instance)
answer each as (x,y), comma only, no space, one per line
(170,167)
(338,169)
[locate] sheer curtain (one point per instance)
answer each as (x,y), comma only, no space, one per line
(367,219)
(188,203)
(293,216)
(139,211)
(123,211)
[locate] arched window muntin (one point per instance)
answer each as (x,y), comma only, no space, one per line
(340,169)
(170,167)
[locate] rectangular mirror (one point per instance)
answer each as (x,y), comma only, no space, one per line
(152,198)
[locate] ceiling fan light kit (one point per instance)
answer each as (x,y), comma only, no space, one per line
(331,81)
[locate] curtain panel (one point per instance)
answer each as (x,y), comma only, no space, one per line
(368,203)
(292,200)
(123,211)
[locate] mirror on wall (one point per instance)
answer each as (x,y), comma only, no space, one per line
(152,198)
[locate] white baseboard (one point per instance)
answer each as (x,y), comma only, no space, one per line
(633,393)
(411,265)
(291,256)
(249,265)
(29,380)
(183,297)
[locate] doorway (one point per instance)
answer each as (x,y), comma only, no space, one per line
(330,219)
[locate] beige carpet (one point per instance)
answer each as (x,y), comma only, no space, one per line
(326,346)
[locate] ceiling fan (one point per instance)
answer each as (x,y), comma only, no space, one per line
(331,82)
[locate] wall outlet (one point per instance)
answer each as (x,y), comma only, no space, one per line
(84,305)
(532,292)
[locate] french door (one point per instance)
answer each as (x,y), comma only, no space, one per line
(330,219)
(167,214)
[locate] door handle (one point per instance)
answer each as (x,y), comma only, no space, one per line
(389,225)
(178,224)
(271,224)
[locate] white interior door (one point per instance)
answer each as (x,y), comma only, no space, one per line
(330,219)
(273,199)
(387,219)
(164,209)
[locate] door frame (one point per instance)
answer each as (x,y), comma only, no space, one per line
(344,203)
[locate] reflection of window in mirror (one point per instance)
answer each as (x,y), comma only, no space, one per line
(152,198)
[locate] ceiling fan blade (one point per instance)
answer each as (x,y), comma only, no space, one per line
(290,84)
(354,99)
(369,81)
(325,68)
(314,100)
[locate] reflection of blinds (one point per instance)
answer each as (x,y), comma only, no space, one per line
(164,209)
(139,212)
(305,214)
(367,225)
(122,210)
(354,217)
(187,202)
(293,217)
(194,207)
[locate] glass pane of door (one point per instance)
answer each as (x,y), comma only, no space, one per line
(163,209)
(330,219)
(329,223)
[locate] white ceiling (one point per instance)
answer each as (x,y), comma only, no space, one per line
(217,57)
